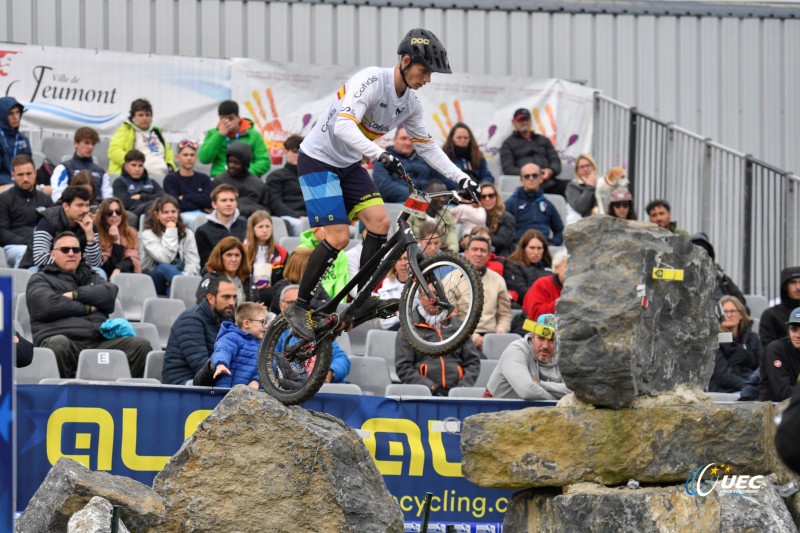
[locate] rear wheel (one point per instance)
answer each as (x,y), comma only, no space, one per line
(456,283)
(291,369)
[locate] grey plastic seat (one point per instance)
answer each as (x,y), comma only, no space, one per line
(21,315)
(138,381)
(148,331)
(102,365)
(358,337)
(343,340)
(560,204)
(134,289)
(508,183)
(19,277)
(341,388)
(487,367)
(371,374)
(162,312)
(184,288)
(381,343)
(118,311)
(757,304)
(467,392)
(495,343)
(154,364)
(44,365)
(290,243)
(55,148)
(407,389)
(279,229)
(3,260)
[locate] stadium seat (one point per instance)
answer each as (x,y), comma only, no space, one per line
(117,312)
(154,364)
(44,365)
(343,340)
(279,229)
(381,343)
(757,305)
(19,276)
(185,288)
(290,243)
(3,261)
(138,381)
(101,153)
(55,148)
(407,389)
(102,365)
(148,331)
(467,392)
(487,367)
(561,205)
(134,289)
(23,317)
(63,381)
(199,221)
(756,324)
(341,388)
(495,343)
(371,374)
(158,178)
(358,337)
(162,312)
(508,183)
(38,158)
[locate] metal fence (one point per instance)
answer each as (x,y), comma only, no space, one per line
(749,209)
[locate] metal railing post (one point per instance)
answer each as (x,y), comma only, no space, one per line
(706,186)
(748,225)
(632,143)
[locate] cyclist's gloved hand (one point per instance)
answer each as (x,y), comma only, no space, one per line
(466,184)
(390,163)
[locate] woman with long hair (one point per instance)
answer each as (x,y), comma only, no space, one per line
(265,257)
(392,287)
(118,241)
(621,204)
(529,262)
(463,150)
(167,247)
(580,192)
(498,220)
(228,258)
(735,361)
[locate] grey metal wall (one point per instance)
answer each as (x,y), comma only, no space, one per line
(732,79)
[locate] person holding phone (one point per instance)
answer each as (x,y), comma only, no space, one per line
(230,129)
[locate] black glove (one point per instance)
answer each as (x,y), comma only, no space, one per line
(390,163)
(466,184)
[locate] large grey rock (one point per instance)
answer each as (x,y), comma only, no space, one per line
(763,510)
(94,518)
(610,348)
(69,486)
(257,465)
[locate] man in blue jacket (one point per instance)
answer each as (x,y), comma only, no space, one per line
(12,142)
(530,208)
(191,340)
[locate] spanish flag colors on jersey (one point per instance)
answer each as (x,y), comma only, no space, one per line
(340,93)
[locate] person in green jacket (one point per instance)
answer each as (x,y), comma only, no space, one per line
(138,133)
(338,275)
(232,128)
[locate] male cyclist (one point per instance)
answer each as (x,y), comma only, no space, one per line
(336,188)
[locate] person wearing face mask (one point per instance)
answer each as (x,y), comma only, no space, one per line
(524,146)
(463,150)
(138,132)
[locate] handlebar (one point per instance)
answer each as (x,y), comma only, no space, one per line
(460,196)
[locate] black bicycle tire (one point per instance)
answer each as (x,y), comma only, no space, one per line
(266,372)
(470,321)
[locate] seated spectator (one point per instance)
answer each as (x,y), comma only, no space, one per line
(230,129)
(235,356)
(725,285)
(581,190)
(265,257)
(524,146)
(616,178)
(134,187)
(440,373)
(139,133)
(545,291)
(440,216)
(660,214)
(773,320)
(495,263)
(192,337)
(529,262)
(23,349)
(621,204)
(14,143)
(394,190)
(252,191)
(735,361)
(85,140)
(429,238)
(119,242)
(19,209)
(531,210)
(499,221)
(224,221)
(392,287)
(68,303)
(191,188)
(469,216)
(84,179)
(167,246)
(292,273)
(72,215)
(463,150)
(528,369)
(496,313)
(227,259)
(780,366)
(285,196)
(340,363)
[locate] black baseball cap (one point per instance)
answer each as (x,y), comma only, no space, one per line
(522,114)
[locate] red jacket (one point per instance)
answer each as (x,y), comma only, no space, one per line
(541,297)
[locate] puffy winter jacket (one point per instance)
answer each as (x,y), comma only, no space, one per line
(125,187)
(518,151)
(531,210)
(734,363)
(215,146)
(124,140)
(191,342)
(19,212)
(238,351)
(780,368)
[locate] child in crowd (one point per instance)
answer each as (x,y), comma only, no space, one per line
(134,187)
(235,357)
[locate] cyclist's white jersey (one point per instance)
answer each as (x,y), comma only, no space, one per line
(364,109)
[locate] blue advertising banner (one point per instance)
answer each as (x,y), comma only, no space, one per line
(133,431)
(7,463)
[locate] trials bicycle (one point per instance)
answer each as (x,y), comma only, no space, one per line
(293,369)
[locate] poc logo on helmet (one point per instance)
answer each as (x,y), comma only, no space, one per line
(420,40)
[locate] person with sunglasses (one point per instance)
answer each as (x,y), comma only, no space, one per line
(139,133)
(498,220)
(235,355)
(119,242)
(191,188)
(581,190)
(621,204)
(532,210)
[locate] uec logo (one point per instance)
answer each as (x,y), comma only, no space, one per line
(696,485)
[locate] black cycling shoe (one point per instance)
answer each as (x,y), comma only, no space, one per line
(375,307)
(301,322)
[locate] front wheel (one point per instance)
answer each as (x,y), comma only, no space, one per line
(291,369)
(457,283)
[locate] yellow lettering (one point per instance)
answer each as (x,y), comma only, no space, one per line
(441,465)
(434,499)
(406,503)
(83,441)
(478,506)
(142,463)
(501,505)
(193,420)
(396,425)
